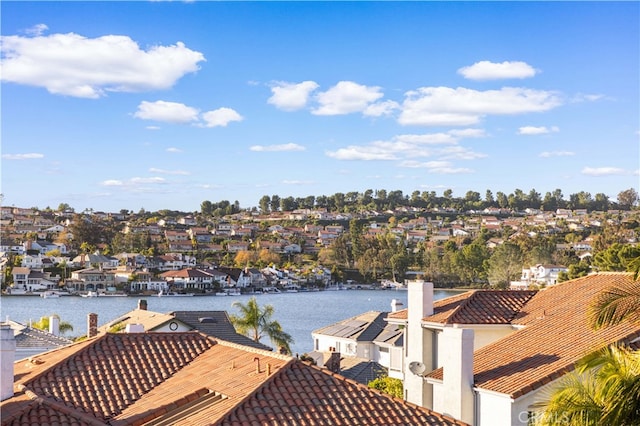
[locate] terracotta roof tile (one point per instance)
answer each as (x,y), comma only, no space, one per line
(189,378)
(556,334)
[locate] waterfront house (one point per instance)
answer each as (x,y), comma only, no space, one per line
(189,279)
(27,280)
(486,357)
(186,378)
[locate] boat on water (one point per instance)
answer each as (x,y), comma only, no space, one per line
(90,294)
(50,295)
(393,285)
(173,294)
(270,290)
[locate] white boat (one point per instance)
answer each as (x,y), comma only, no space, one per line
(50,295)
(90,294)
(268,290)
(221,293)
(173,294)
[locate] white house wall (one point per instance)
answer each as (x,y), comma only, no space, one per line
(495,410)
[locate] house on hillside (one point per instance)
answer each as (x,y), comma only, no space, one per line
(486,357)
(186,378)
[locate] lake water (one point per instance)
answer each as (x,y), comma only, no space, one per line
(298,313)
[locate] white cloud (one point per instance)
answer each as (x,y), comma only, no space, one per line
(468,133)
(436,167)
(444,106)
(220,117)
(486,70)
(459,153)
(168,172)
(147,180)
(532,130)
(346,97)
(366,153)
(112,182)
(291,96)
(170,112)
(427,139)
(548,154)
(174,150)
(586,97)
(37,30)
(73,65)
(277,148)
(379,109)
(152,127)
(29,156)
(408,147)
(602,171)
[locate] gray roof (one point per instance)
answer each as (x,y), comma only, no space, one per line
(363,328)
(29,337)
(216,324)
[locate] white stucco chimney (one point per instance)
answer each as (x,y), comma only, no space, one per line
(457,379)
(419,350)
(54,325)
(7,358)
(395,305)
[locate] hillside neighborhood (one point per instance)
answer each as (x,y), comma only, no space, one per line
(63,250)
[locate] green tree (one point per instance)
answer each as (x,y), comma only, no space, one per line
(504,265)
(388,385)
(43,324)
(628,198)
(255,322)
(603,390)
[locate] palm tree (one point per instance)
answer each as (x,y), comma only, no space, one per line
(43,324)
(255,322)
(616,304)
(603,390)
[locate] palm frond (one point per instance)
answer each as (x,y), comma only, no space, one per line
(614,305)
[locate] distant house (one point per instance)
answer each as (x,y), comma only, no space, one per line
(539,275)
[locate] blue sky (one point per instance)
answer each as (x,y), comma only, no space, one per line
(162,105)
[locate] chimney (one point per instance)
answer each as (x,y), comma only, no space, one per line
(395,305)
(419,346)
(7,358)
(457,367)
(333,363)
(142,304)
(54,325)
(92,325)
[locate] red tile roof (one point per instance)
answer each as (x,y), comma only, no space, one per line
(475,307)
(189,378)
(556,334)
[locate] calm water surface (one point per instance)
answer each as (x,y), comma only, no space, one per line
(298,313)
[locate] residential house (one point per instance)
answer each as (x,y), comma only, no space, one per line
(486,357)
(32,341)
(186,378)
(26,280)
(236,246)
(189,279)
(97,260)
(539,276)
(92,279)
(212,323)
(361,345)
